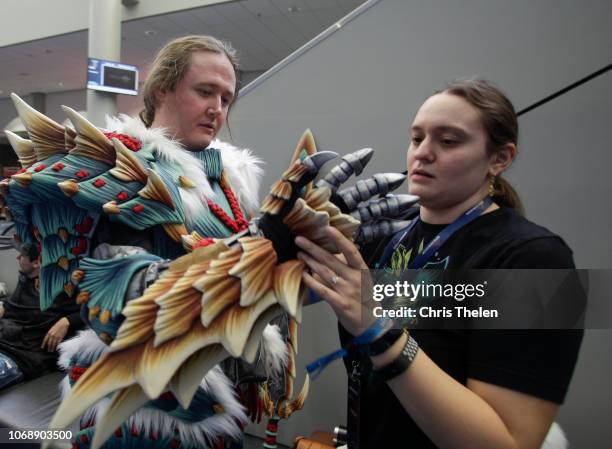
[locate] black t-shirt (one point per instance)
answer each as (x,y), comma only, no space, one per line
(536,362)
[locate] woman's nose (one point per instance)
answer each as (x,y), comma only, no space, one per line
(424,151)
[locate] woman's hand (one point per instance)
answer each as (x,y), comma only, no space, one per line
(336,281)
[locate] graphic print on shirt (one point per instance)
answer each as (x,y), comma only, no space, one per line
(402,257)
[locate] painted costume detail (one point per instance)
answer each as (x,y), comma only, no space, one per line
(115,213)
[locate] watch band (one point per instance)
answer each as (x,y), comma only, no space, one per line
(383,343)
(401,363)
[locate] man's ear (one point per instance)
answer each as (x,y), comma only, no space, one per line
(36,263)
(502,159)
(160,96)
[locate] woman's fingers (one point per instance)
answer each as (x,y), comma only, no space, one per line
(348,248)
(322,256)
(327,276)
(324,292)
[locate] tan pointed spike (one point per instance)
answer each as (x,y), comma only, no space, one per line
(317,197)
(64,263)
(23,179)
(186,381)
(103,377)
(179,306)
(69,136)
(70,187)
(199,255)
(267,401)
(298,403)
(46,134)
(291,370)
(175,231)
(293,334)
(127,166)
(185,182)
(254,342)
(190,240)
(306,143)
(255,269)
(140,313)
(281,189)
(287,285)
(63,234)
(303,220)
(90,141)
(156,190)
(24,148)
(111,208)
(123,404)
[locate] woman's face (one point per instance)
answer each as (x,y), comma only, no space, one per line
(448,162)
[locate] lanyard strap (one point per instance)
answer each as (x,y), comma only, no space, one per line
(371,333)
(315,368)
(425,256)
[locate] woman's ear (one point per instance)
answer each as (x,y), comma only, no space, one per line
(502,159)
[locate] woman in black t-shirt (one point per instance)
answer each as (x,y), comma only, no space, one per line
(462,389)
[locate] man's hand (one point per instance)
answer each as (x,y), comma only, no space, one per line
(1,309)
(56,334)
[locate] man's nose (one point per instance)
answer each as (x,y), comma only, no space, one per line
(214,107)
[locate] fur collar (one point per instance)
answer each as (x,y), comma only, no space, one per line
(241,167)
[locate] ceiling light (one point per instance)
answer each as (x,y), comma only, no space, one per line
(60,84)
(150,33)
(294,9)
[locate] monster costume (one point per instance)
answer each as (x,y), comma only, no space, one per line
(112,208)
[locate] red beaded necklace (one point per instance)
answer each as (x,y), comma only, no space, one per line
(237,225)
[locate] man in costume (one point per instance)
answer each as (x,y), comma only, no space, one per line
(111,207)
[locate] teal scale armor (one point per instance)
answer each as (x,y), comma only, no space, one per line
(58,201)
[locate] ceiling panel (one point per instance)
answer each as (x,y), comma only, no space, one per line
(263,32)
(307,22)
(234,11)
(285,31)
(262,8)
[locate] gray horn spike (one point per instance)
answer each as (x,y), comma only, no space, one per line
(382,228)
(379,184)
(317,160)
(391,206)
(351,163)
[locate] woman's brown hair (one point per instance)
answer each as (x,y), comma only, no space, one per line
(500,122)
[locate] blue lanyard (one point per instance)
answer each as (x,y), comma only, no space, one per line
(371,333)
(315,368)
(423,257)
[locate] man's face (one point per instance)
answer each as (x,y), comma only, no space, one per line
(196,110)
(26,266)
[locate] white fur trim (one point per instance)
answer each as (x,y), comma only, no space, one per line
(244,171)
(555,439)
(87,348)
(273,350)
(85,345)
(242,168)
